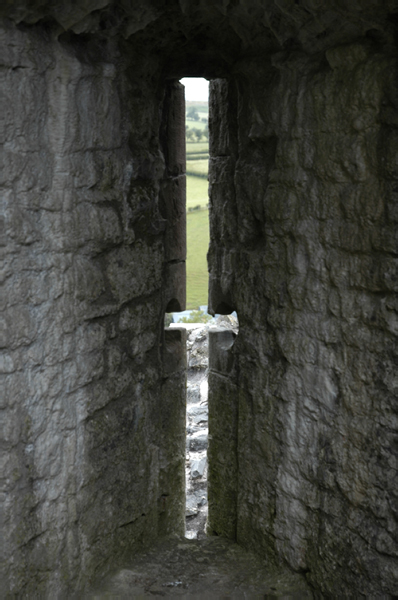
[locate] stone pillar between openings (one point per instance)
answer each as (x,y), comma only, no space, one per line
(223,149)
(172,196)
(171,417)
(223,434)
(171,433)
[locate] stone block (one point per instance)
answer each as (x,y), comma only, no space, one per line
(175,287)
(174,141)
(197,442)
(197,414)
(221,357)
(173,207)
(86,278)
(98,226)
(222,198)
(198,468)
(193,393)
(191,506)
(171,419)
(135,270)
(221,281)
(174,351)
(222,118)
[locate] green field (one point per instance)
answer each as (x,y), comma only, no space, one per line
(197,221)
(198,156)
(200,105)
(196,124)
(196,147)
(197,191)
(198,167)
(198,244)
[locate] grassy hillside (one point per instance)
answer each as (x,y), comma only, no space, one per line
(197,191)
(198,244)
(196,147)
(198,167)
(200,105)
(198,124)
(197,221)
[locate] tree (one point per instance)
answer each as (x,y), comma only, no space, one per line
(196,316)
(192,113)
(198,132)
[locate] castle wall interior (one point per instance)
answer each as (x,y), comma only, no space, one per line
(303,402)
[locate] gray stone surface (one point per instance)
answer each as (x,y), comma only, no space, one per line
(193,393)
(197,414)
(223,472)
(310,278)
(91,467)
(191,506)
(303,210)
(198,467)
(198,353)
(210,568)
(197,432)
(197,420)
(198,441)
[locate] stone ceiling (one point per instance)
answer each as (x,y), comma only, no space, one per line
(198,37)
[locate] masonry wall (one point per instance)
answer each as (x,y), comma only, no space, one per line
(304,247)
(84,451)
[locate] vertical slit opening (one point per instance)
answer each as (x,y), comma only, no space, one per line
(195,317)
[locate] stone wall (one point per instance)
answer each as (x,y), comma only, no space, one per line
(304,248)
(223,477)
(86,462)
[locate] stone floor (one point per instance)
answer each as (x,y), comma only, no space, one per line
(201,569)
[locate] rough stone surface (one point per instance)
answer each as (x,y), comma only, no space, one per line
(197,424)
(223,433)
(304,247)
(209,568)
(198,441)
(197,432)
(90,464)
(304,213)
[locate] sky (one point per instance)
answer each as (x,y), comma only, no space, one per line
(196,88)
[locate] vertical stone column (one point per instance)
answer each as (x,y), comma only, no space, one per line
(171,432)
(222,200)
(223,434)
(172,196)
(83,299)
(171,417)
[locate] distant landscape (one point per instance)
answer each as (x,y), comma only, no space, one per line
(197,147)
